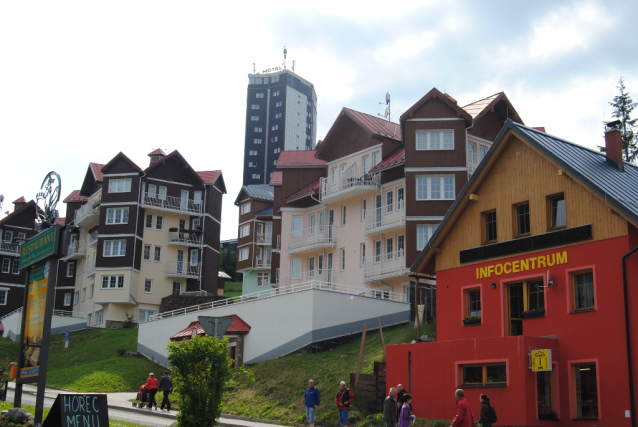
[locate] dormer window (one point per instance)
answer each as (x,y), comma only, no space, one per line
(154,159)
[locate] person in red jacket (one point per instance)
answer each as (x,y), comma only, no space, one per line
(151,388)
(343,399)
(464,416)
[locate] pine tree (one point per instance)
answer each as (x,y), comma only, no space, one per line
(623,106)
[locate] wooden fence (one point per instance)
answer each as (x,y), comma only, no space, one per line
(371,386)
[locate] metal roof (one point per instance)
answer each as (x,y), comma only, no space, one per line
(260,191)
(75,196)
(395,158)
(277,178)
(310,189)
(296,158)
(265,212)
(375,125)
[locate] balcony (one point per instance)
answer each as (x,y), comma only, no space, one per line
(346,184)
(75,250)
(263,262)
(90,269)
(313,276)
(87,214)
(93,239)
(384,219)
(182,269)
(185,238)
(310,239)
(385,266)
(264,239)
(6,248)
(171,204)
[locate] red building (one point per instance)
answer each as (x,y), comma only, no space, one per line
(531,257)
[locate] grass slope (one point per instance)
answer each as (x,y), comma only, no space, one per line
(232,289)
(279,386)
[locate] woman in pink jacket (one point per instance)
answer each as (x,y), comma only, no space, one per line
(406,417)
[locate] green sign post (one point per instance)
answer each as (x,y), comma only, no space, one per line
(40,247)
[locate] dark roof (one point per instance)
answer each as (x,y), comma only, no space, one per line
(20,209)
(435,93)
(20,200)
(308,190)
(96,169)
(157,152)
(75,196)
(479,108)
(119,155)
(177,155)
(395,158)
(259,191)
(237,327)
(209,177)
(375,125)
(296,158)
(265,212)
(277,178)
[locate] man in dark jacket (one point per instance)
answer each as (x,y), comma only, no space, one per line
(343,399)
(390,409)
(166,386)
(311,400)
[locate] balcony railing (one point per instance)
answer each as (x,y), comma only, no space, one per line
(87,213)
(93,239)
(6,248)
(385,218)
(264,239)
(263,262)
(317,237)
(182,269)
(66,313)
(347,183)
(90,268)
(311,276)
(385,266)
(75,250)
(171,203)
(184,238)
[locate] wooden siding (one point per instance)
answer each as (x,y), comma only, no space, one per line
(430,207)
(526,177)
(131,196)
(435,158)
(210,268)
(119,165)
(434,108)
(393,174)
(71,207)
(490,124)
(118,261)
(121,228)
(256,205)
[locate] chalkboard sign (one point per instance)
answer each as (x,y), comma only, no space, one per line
(78,410)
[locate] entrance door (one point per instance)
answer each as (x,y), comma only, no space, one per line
(180,261)
(329,267)
(184,201)
(515,298)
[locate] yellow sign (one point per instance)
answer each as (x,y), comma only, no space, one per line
(541,360)
(531,263)
(34,323)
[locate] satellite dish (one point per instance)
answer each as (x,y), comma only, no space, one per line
(387,110)
(387,97)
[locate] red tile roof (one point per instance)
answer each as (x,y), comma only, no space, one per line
(375,125)
(157,152)
(61,221)
(395,158)
(75,197)
(298,158)
(209,177)
(277,178)
(96,168)
(310,189)
(237,327)
(20,200)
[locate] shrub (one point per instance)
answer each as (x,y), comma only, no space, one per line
(121,351)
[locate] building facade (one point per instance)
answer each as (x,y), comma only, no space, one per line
(536,264)
(281,114)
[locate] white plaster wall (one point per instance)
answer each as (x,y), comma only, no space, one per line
(59,324)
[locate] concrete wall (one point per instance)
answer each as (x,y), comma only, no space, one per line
(283,324)
(59,324)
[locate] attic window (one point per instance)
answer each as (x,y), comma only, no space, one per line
(154,159)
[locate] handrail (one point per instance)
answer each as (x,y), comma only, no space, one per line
(171,203)
(349,178)
(384,265)
(182,268)
(66,313)
(18,310)
(310,275)
(283,290)
(8,247)
(186,238)
(385,216)
(318,234)
(84,211)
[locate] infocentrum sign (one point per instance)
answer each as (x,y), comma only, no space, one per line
(525,264)
(41,246)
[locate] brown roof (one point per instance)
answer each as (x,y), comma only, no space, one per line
(157,152)
(96,168)
(209,177)
(20,200)
(75,196)
(277,178)
(298,158)
(435,93)
(479,108)
(237,327)
(20,209)
(375,125)
(123,156)
(395,158)
(310,189)
(177,154)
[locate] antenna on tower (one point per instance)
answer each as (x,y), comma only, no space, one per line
(1,200)
(387,108)
(293,65)
(285,53)
(254,68)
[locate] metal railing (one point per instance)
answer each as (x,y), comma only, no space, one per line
(86,211)
(284,290)
(385,217)
(69,314)
(184,238)
(171,203)
(310,276)
(384,266)
(310,238)
(348,179)
(182,269)
(263,262)
(75,249)
(9,248)
(93,239)
(90,268)
(264,239)
(19,310)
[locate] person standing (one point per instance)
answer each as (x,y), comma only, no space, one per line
(401,392)
(151,389)
(406,417)
(312,400)
(390,409)
(166,387)
(484,419)
(464,416)
(343,399)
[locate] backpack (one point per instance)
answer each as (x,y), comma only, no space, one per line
(491,415)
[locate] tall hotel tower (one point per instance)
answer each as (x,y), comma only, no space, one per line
(281,114)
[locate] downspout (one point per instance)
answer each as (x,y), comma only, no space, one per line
(201,249)
(629,365)
(137,221)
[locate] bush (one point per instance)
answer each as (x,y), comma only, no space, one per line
(121,351)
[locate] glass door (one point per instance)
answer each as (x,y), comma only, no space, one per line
(331,221)
(184,201)
(516,302)
(180,261)
(329,267)
(377,210)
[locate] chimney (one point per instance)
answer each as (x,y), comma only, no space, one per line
(613,145)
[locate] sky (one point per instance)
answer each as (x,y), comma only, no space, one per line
(81,81)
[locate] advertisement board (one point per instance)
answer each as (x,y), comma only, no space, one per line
(34,319)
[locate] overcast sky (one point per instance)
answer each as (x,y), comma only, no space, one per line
(81,81)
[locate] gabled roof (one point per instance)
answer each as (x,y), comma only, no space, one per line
(256,191)
(481,107)
(297,158)
(157,152)
(277,178)
(237,327)
(209,177)
(589,167)
(174,154)
(61,221)
(120,155)
(96,169)
(308,190)
(265,212)
(435,93)
(20,200)
(395,158)
(17,211)
(75,196)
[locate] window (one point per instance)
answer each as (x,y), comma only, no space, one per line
(112,282)
(245,208)
(254,118)
(489,227)
(583,291)
(120,185)
(114,248)
(162,193)
(482,151)
(311,267)
(389,243)
(76,298)
(388,201)
(70,269)
(363,254)
(556,207)
(258,129)
(6,265)
(400,199)
(259,95)
(524,299)
(297,224)
(194,256)
(333,175)
(255,106)
(117,216)
(145,315)
(586,390)
(158,254)
(363,209)
(84,294)
(256,176)
(99,317)
(275,93)
(8,236)
(149,221)
(319,265)
(67,299)
(279,104)
(274,139)
(275,127)
(471,152)
(522,219)
(365,163)
(343,259)
(147,253)
(343,215)
(312,224)
(488,374)
(16,266)
(435,188)
(382,294)
(92,291)
(423,235)
(322,221)
(377,251)
(243,254)
(148,286)
(277,150)
(152,190)
(262,279)
(400,246)
(473,302)
(376,158)
(278,115)
(244,230)
(257,141)
(22,237)
(435,140)
(177,288)
(3,296)
(197,197)
(252,164)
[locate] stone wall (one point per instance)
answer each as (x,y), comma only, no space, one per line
(173,302)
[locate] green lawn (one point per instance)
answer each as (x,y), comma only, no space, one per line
(232,289)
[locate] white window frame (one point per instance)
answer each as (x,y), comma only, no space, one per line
(376,158)
(400,198)
(111,216)
(6,265)
(297,231)
(99,316)
(320,265)
(364,205)
(4,294)
(113,281)
(152,191)
(245,208)
(8,236)
(363,254)
(428,181)
(76,297)
(70,269)
(389,201)
(120,185)
(67,299)
(311,266)
(400,246)
(429,230)
(161,193)
(429,144)
(159,222)
(197,197)
(471,152)
(311,223)
(343,215)
(243,254)
(389,248)
(194,256)
(378,251)
(148,282)
(83,294)
(333,175)
(342,262)
(157,252)
(16,267)
(262,279)
(244,231)
(148,222)
(114,248)
(144,257)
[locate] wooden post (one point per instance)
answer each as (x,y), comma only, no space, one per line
(382,340)
(363,341)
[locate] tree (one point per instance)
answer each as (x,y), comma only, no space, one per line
(201,372)
(623,107)
(227,262)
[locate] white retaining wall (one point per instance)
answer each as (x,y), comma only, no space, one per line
(283,324)
(13,323)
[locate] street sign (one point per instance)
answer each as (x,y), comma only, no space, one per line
(541,360)
(41,246)
(215,326)
(66,335)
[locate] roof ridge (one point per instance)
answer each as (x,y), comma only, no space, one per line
(374,117)
(483,99)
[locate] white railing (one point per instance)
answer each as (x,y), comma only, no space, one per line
(184,238)
(348,179)
(171,203)
(277,277)
(19,310)
(263,262)
(358,291)
(9,248)
(383,266)
(85,211)
(69,314)
(311,276)
(75,249)
(318,236)
(90,268)
(265,239)
(385,217)
(182,269)
(93,239)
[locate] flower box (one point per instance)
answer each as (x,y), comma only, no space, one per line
(471,320)
(173,229)
(539,312)
(547,415)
